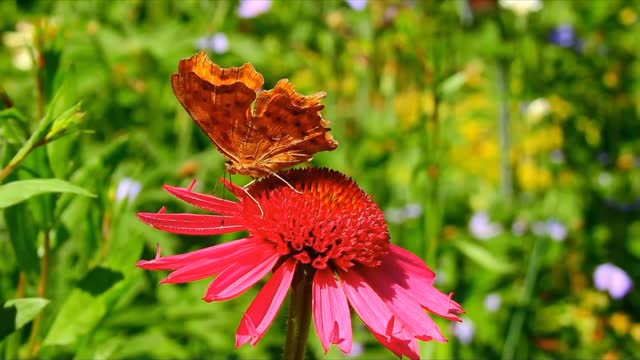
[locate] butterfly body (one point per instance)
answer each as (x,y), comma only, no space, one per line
(284,128)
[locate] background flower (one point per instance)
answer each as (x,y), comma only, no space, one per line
(608,277)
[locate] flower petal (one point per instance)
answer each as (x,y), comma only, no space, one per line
(192,224)
(402,304)
(209,267)
(264,308)
(243,274)
(204,201)
(331,312)
(236,190)
(375,313)
(174,262)
(411,273)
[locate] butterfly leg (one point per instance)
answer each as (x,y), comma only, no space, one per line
(286,182)
(254,200)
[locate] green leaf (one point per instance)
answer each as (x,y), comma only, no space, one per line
(23,236)
(17,313)
(483,257)
(78,316)
(19,191)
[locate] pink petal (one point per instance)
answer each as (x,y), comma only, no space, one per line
(192,224)
(213,252)
(411,273)
(206,268)
(264,308)
(375,313)
(400,347)
(331,312)
(236,190)
(242,275)
(203,201)
(402,304)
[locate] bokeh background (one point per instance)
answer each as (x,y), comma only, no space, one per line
(501,138)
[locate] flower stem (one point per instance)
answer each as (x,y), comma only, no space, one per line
(300,307)
(518,318)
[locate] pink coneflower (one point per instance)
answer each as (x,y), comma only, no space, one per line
(328,241)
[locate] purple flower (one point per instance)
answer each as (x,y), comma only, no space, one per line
(613,279)
(563,36)
(492,302)
(252,8)
(604,158)
(482,228)
(464,331)
(219,43)
(357,5)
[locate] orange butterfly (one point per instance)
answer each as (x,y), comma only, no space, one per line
(284,128)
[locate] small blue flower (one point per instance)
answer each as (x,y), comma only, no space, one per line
(608,277)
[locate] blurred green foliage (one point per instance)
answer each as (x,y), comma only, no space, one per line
(503,144)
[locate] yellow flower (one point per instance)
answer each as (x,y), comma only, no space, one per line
(635,332)
(625,161)
(611,79)
(620,323)
(628,16)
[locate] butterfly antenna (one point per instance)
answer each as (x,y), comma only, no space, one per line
(286,182)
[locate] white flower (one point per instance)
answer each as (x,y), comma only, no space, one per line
(128,189)
(20,43)
(464,331)
(521,7)
(537,110)
(493,302)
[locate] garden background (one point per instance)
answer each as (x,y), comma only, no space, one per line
(501,138)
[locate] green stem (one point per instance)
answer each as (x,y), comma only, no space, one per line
(505,130)
(517,320)
(34,343)
(300,309)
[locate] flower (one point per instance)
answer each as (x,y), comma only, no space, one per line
(537,110)
(556,230)
(327,229)
(493,302)
(464,331)
(128,189)
(521,7)
(564,36)
(357,5)
(482,228)
(20,44)
(608,277)
(252,8)
(219,43)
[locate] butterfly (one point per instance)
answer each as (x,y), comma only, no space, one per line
(282,129)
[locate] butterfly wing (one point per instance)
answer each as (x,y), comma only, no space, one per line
(287,128)
(219,100)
